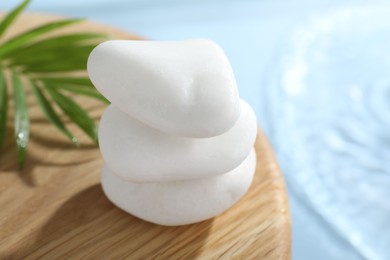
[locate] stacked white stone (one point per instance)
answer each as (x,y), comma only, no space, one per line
(177,141)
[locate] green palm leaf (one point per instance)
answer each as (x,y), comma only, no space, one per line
(82,90)
(76,113)
(22,121)
(82,86)
(50,112)
(24,38)
(7,21)
(55,43)
(76,81)
(59,55)
(71,64)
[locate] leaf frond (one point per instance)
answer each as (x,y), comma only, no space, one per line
(50,113)
(22,120)
(75,112)
(11,16)
(26,37)
(54,43)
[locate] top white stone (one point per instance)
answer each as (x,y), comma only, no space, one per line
(185,88)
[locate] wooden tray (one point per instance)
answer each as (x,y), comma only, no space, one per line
(55,208)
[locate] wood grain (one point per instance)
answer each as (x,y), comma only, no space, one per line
(55,208)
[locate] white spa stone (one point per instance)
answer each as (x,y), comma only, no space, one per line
(138,153)
(180,202)
(184,88)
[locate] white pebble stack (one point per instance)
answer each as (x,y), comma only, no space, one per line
(177,141)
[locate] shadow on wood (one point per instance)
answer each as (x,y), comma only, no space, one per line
(37,155)
(89,226)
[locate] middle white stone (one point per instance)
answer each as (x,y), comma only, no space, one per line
(138,153)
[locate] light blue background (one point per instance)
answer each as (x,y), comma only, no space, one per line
(251,33)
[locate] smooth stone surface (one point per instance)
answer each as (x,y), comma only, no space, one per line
(138,153)
(180,202)
(184,88)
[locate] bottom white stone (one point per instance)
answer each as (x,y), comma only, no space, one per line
(180,202)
